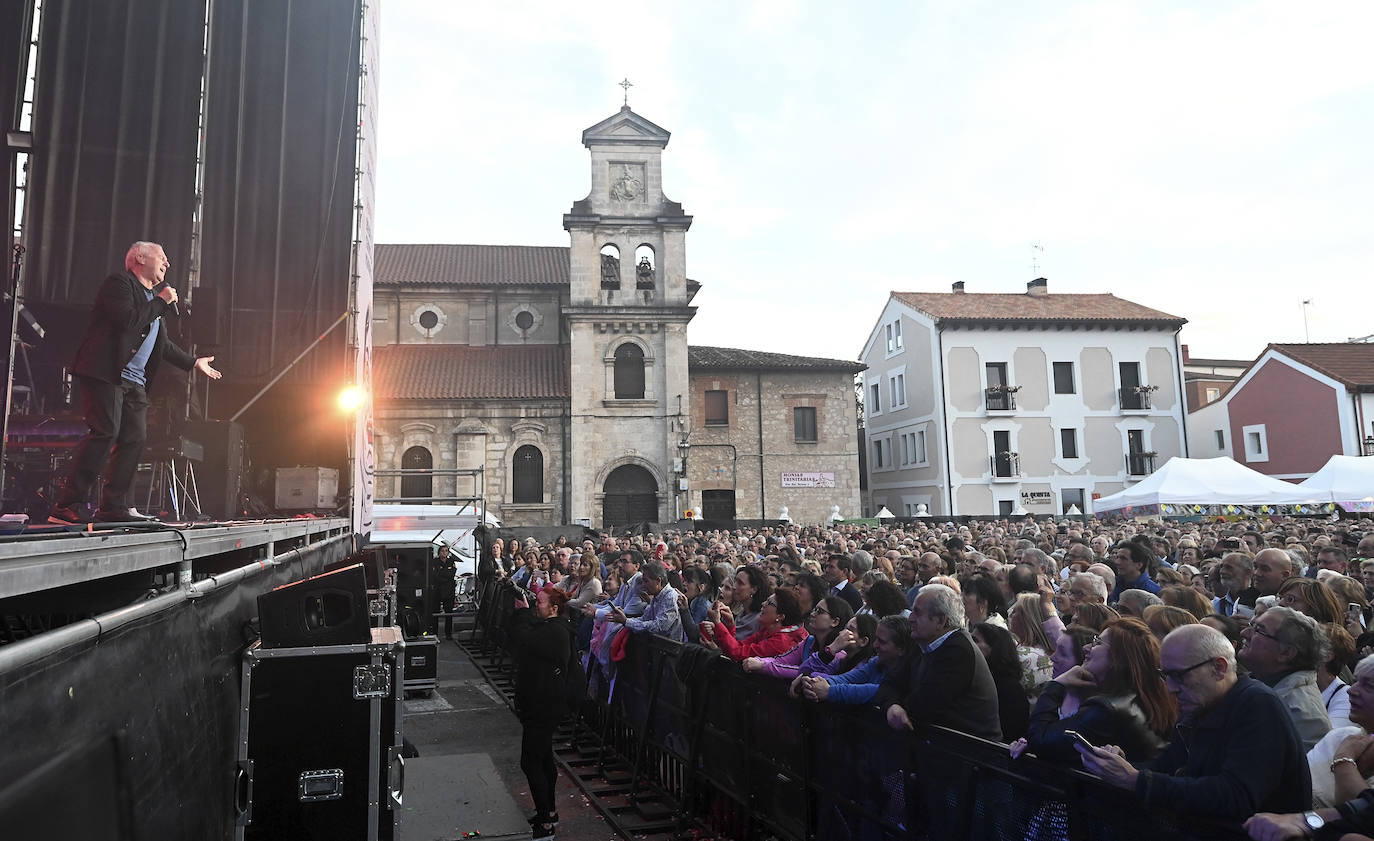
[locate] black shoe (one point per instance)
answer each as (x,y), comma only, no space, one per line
(65,515)
(550,821)
(122,515)
(541,831)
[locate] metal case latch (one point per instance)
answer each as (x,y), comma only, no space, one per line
(372,681)
(324,784)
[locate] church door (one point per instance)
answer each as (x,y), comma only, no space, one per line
(631,496)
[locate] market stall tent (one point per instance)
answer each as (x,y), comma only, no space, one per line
(1347,481)
(1207,486)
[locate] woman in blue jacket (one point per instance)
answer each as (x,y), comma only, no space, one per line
(860,684)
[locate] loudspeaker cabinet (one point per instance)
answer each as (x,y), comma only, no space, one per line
(319,753)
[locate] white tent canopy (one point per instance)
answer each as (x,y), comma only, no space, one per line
(1344,479)
(1207,481)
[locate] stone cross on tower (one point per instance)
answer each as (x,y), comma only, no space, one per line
(626,84)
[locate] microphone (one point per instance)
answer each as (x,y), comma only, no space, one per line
(161,286)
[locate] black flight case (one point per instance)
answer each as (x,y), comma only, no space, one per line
(319,754)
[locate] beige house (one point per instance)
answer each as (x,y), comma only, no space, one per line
(564,374)
(993,403)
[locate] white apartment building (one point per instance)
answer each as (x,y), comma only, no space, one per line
(990,403)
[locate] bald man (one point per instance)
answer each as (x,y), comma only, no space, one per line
(1242,753)
(1272,567)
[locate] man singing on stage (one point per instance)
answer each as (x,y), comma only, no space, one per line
(125,342)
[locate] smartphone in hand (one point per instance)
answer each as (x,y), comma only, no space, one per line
(1079,739)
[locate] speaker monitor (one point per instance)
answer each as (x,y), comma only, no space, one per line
(327,609)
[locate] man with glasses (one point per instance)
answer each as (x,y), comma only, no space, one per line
(1236,752)
(1283,649)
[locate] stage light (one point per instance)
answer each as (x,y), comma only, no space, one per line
(351,398)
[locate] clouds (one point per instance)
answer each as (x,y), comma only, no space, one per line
(1206,162)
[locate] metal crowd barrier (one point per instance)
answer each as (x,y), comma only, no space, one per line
(739,757)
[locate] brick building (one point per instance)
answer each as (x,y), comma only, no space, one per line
(1292,409)
(565,373)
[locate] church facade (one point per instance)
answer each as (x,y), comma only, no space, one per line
(565,374)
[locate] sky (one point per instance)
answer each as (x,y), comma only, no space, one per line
(1211,160)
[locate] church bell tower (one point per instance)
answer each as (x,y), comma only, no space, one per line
(627,318)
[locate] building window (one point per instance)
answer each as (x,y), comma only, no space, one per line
(629,372)
(1068,443)
(897,390)
(1213,394)
(717,408)
(421,485)
(878,454)
(897,332)
(891,344)
(524,319)
(1070,497)
(873,405)
(921,446)
(1063,378)
(610,267)
(1256,442)
(1221,439)
(804,423)
(527,476)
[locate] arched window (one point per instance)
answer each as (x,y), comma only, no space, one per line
(610,267)
(644,267)
(527,476)
(629,372)
(420,486)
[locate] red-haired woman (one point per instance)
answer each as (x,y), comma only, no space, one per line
(1122,699)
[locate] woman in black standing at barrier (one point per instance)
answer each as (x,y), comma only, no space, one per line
(542,643)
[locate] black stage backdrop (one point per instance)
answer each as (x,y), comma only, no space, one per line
(14,39)
(281,129)
(280,156)
(114,141)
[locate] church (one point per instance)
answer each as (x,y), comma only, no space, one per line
(566,377)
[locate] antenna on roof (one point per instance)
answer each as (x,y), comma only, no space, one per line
(1306,336)
(1036,250)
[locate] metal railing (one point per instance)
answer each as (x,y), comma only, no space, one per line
(708,747)
(998,401)
(1005,465)
(1140,464)
(1133,400)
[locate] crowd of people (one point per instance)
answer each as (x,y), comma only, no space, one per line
(1216,668)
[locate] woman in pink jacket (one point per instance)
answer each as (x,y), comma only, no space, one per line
(825,622)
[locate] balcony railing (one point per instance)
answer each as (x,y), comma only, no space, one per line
(1133,399)
(999,401)
(1005,466)
(1140,464)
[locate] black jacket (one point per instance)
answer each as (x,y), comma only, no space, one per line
(542,650)
(951,686)
(120,319)
(1102,720)
(1240,757)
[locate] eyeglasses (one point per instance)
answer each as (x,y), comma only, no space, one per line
(819,610)
(1256,629)
(1176,675)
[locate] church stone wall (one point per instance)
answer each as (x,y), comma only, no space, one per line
(466,436)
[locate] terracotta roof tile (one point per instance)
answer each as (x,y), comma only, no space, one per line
(992,306)
(475,265)
(701,358)
(461,372)
(470,265)
(1350,363)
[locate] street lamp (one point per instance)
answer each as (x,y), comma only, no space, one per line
(884,514)
(783,516)
(835,515)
